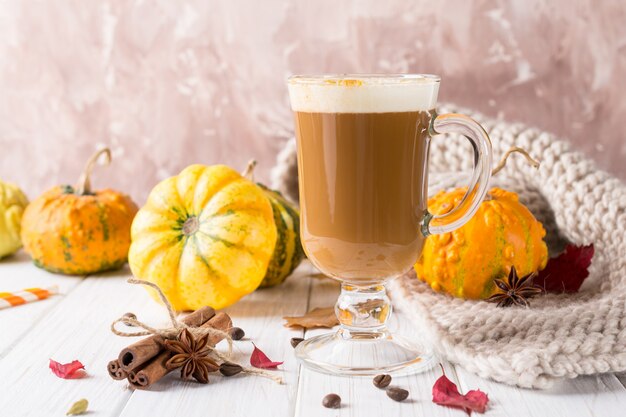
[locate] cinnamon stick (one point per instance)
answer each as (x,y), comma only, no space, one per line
(149,373)
(220,321)
(137,354)
(115,371)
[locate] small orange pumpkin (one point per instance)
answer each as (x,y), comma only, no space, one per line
(465,262)
(79,231)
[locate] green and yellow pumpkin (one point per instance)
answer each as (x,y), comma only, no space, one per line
(205,237)
(77,231)
(465,262)
(288,252)
(12,205)
(209,236)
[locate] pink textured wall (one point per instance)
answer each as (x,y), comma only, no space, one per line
(168,83)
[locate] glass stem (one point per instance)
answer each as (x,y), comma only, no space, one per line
(363,311)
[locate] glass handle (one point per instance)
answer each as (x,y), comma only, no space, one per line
(468,127)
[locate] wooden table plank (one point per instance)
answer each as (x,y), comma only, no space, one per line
(76,328)
(260,315)
(16,273)
(359,397)
(601,395)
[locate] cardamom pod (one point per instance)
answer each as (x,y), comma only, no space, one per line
(79,407)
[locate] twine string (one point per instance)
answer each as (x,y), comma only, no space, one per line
(515,149)
(253,371)
(173,331)
(168,332)
(175,323)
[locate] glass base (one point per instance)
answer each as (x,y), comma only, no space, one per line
(348,352)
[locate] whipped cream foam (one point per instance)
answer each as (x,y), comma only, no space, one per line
(363,93)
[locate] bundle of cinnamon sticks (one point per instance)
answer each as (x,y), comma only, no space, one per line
(143,362)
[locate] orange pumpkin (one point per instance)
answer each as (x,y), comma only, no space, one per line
(78,231)
(465,262)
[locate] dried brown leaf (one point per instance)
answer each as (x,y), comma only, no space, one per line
(319,317)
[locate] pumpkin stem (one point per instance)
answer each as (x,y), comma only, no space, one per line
(84,182)
(515,149)
(249,171)
(191,226)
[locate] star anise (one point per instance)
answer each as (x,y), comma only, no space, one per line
(192,355)
(515,290)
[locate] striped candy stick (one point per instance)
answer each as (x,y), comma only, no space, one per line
(28,295)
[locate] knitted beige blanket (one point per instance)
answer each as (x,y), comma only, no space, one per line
(559,336)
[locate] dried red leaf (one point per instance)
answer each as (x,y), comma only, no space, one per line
(67,370)
(566,272)
(258,359)
(446,393)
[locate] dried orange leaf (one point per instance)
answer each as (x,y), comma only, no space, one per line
(318,317)
(79,407)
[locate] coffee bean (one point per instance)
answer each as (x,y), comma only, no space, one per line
(295,341)
(397,393)
(236,333)
(230,369)
(382,380)
(332,401)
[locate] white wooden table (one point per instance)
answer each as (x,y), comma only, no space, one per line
(75,325)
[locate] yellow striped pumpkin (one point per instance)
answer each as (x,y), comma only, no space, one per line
(465,262)
(205,237)
(12,205)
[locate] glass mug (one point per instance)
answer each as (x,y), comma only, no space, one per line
(363,145)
